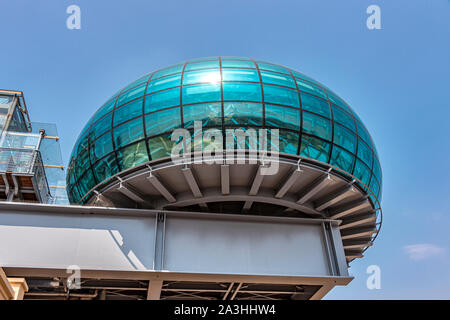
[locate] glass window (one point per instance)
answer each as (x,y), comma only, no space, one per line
(164,83)
(202,76)
(377,169)
(137,82)
(282,117)
(288,142)
(82,142)
(276,78)
(363,133)
(170,70)
(242,91)
(86,182)
(128,132)
(101,126)
(201,93)
(344,138)
(161,100)
(342,159)
(202,65)
(310,88)
(362,172)
(160,147)
(132,155)
(237,63)
(209,113)
(106,167)
(316,125)
(131,94)
(128,111)
(334,98)
(240,75)
(244,114)
(343,118)
(278,95)
(374,186)
(315,104)
(82,163)
(107,107)
(364,153)
(314,148)
(305,77)
(162,121)
(101,147)
(272,67)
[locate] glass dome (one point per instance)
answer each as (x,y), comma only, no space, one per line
(134,126)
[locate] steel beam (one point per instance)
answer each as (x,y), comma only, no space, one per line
(334,198)
(160,187)
(190,179)
(349,208)
(225,178)
(130,192)
(357,221)
(288,183)
(154,290)
(312,189)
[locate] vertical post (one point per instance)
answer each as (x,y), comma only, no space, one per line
(160,229)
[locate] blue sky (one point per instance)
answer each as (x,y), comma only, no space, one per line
(397,79)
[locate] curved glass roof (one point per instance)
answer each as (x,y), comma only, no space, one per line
(134,126)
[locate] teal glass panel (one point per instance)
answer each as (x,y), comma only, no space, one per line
(201,93)
(282,117)
(86,182)
(344,138)
(363,133)
(128,111)
(272,67)
(303,76)
(161,100)
(316,125)
(310,88)
(131,94)
(164,83)
(160,147)
(315,104)
(107,107)
(73,194)
(279,79)
(226,63)
(240,75)
(343,118)
(244,114)
(202,65)
(101,147)
(106,167)
(288,141)
(314,148)
(170,70)
(132,155)
(334,98)
(365,153)
(242,138)
(377,169)
(162,121)
(362,172)
(209,113)
(242,91)
(342,159)
(278,95)
(374,186)
(139,81)
(202,76)
(128,132)
(82,142)
(101,126)
(82,163)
